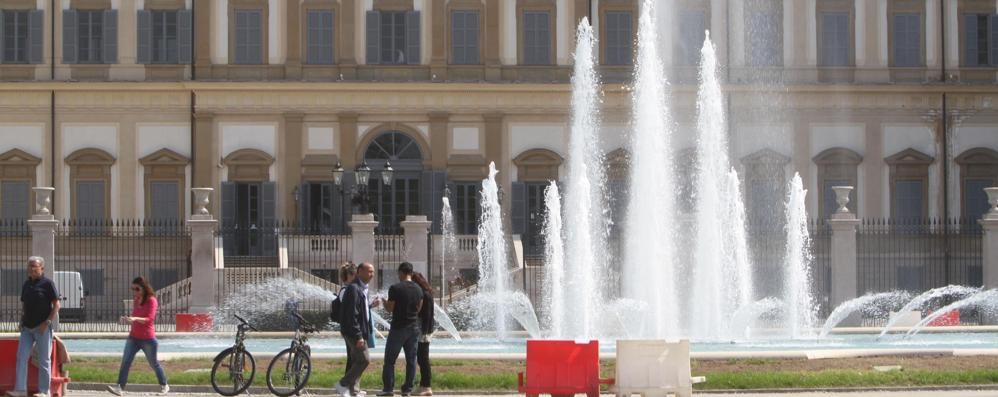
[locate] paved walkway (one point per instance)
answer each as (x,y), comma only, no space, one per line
(946,393)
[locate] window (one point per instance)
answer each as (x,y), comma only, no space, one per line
(14,200)
(980,39)
(619,38)
(464,37)
(321,212)
(164,37)
(536,38)
(908,200)
(15,36)
(907,40)
(249,37)
(165,200)
(467,207)
(978,170)
(764,38)
(393,37)
(320,37)
(692,25)
(90,201)
(834,39)
(90,36)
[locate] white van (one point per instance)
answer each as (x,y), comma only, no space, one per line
(70,286)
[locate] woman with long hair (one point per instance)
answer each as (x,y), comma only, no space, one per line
(141,337)
(426,328)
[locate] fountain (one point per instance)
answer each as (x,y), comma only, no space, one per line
(448,244)
(984,300)
(935,293)
(744,319)
(797,281)
(649,272)
(865,302)
(554,260)
(492,252)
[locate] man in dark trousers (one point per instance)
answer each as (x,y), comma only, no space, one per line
(40,307)
(355,326)
(404,301)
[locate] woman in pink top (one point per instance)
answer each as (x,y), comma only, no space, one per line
(142,336)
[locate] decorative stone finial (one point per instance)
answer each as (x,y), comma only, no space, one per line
(201,200)
(43,200)
(842,198)
(992,193)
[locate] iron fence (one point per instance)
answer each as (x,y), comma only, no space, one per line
(389,252)
(821,265)
(107,256)
(313,251)
(917,255)
(15,248)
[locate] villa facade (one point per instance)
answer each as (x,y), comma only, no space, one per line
(123,105)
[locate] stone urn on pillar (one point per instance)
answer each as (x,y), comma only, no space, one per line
(201,200)
(992,193)
(842,198)
(43,201)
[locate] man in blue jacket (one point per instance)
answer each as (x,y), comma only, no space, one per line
(355,326)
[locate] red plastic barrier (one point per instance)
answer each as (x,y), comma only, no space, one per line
(562,368)
(8,358)
(946,320)
(194,322)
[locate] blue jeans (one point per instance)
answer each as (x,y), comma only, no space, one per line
(398,339)
(149,348)
(42,342)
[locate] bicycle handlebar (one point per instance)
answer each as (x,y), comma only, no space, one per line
(304,324)
(244,322)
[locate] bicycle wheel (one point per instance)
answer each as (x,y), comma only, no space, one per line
(232,372)
(288,372)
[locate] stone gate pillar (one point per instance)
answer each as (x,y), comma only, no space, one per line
(203,275)
(362,233)
(989,262)
(43,225)
(417,235)
(843,249)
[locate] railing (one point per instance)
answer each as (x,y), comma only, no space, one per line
(108,255)
(314,252)
(15,248)
(389,252)
(917,255)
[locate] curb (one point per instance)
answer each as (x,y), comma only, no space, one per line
(255,390)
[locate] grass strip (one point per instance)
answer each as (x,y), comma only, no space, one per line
(846,378)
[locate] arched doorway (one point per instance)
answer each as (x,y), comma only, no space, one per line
(391,203)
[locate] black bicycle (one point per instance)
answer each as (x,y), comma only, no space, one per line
(288,372)
(234,367)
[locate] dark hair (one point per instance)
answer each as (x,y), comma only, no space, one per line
(421,281)
(347,270)
(405,268)
(147,290)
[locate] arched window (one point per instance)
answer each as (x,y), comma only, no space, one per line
(392,203)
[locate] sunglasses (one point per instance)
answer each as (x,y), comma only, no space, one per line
(136,289)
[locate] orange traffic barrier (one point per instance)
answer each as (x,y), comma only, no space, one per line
(194,322)
(949,319)
(8,358)
(562,368)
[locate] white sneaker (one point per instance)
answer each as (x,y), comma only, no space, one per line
(164,389)
(17,393)
(40,395)
(360,393)
(342,390)
(115,389)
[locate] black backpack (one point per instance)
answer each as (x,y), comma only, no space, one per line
(334,310)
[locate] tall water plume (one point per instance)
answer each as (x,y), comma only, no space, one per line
(554,262)
(492,253)
(585,231)
(448,245)
(717,279)
(801,313)
(737,249)
(649,270)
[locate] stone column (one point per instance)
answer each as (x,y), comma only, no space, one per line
(843,249)
(205,156)
(362,233)
(438,139)
(989,264)
(43,225)
(293,35)
(202,48)
(203,268)
(348,139)
(438,40)
(347,58)
(417,235)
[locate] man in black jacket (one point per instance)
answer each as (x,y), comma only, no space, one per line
(355,326)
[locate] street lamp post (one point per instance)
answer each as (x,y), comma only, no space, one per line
(358,193)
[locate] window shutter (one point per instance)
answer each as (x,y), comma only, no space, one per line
(69,36)
(458,37)
(993,39)
(163,199)
(908,203)
(36,35)
(256,38)
(326,207)
(110,36)
(329,26)
(412,33)
(229,218)
(519,208)
(373,47)
(312,37)
(544,38)
(14,204)
(970,40)
(185,34)
(144,37)
(472,48)
(268,224)
(432,193)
